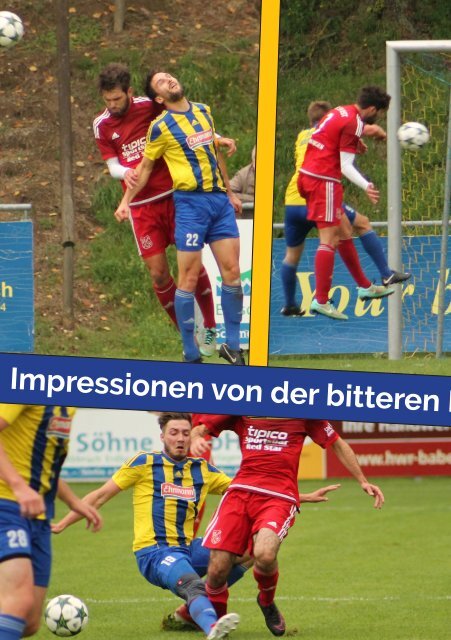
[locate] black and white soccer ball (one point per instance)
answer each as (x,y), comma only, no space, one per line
(413,135)
(66,616)
(11,29)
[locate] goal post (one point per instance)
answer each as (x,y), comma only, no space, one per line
(420,110)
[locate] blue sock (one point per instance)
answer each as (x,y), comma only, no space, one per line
(373,246)
(11,628)
(184,311)
(289,279)
(202,612)
(236,574)
(232,308)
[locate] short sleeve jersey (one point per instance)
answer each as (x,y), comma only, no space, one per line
(124,138)
(292,195)
(167,496)
(36,442)
(271,448)
(339,130)
(186,140)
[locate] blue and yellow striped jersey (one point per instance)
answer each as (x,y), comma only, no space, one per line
(36,442)
(167,495)
(292,195)
(186,140)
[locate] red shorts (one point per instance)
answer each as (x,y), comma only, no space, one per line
(153,226)
(242,514)
(324,200)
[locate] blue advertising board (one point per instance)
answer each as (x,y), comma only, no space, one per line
(366,329)
(16,286)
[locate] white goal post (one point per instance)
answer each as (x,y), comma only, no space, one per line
(394,50)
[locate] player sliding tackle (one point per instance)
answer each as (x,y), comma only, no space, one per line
(184,135)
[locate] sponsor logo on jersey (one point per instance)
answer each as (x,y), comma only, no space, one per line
(329,430)
(170,490)
(265,439)
(199,139)
(216,536)
(146,242)
(59,427)
(133,150)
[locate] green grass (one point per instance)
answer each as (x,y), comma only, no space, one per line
(347,571)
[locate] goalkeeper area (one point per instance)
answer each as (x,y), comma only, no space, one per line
(347,571)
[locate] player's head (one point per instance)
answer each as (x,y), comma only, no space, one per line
(372,102)
(175,434)
(317,110)
(163,87)
(114,85)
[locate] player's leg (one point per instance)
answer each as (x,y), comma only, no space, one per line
(296,229)
(16,596)
(163,282)
(189,266)
(41,560)
(204,298)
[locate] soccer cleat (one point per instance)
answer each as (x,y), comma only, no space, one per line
(292,311)
(224,626)
(327,309)
(180,620)
(273,618)
(232,356)
(196,361)
(395,277)
(208,345)
(374,291)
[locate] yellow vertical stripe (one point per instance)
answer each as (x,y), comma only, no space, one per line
(264,182)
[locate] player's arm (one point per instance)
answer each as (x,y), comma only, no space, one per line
(320,495)
(374,131)
(199,444)
(229,143)
(236,202)
(31,502)
(348,458)
(119,172)
(351,173)
(96,499)
(144,170)
(93,518)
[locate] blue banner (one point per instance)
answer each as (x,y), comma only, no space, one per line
(365,331)
(16,286)
(210,388)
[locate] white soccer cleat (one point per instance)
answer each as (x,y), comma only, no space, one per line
(224,626)
(374,291)
(327,309)
(207,346)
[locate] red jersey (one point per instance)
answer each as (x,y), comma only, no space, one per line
(124,137)
(271,448)
(339,130)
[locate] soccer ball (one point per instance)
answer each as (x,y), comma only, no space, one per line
(11,29)
(66,615)
(413,135)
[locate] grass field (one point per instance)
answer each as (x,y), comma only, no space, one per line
(348,572)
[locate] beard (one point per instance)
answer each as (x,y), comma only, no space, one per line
(370,119)
(123,111)
(176,95)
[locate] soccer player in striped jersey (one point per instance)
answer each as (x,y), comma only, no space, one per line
(330,154)
(184,135)
(33,445)
(260,505)
(120,133)
(297,226)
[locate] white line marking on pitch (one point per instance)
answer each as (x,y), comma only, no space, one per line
(286,598)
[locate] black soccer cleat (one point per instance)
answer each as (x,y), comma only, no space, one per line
(232,356)
(292,311)
(273,618)
(395,277)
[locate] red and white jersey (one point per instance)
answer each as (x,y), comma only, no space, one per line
(124,137)
(339,130)
(271,448)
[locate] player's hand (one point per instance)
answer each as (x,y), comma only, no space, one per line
(373,490)
(131,178)
(30,501)
(122,212)
(230,144)
(372,193)
(361,147)
(236,204)
(94,520)
(57,527)
(320,495)
(199,446)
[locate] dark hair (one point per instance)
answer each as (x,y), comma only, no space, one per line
(166,417)
(150,93)
(373,97)
(114,75)
(317,109)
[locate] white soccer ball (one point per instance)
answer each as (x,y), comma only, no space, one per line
(66,616)
(413,135)
(11,29)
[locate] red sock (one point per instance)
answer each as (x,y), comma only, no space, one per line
(218,598)
(324,268)
(204,298)
(166,297)
(350,257)
(267,586)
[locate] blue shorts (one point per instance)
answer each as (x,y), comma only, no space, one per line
(24,538)
(297,227)
(163,566)
(203,217)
